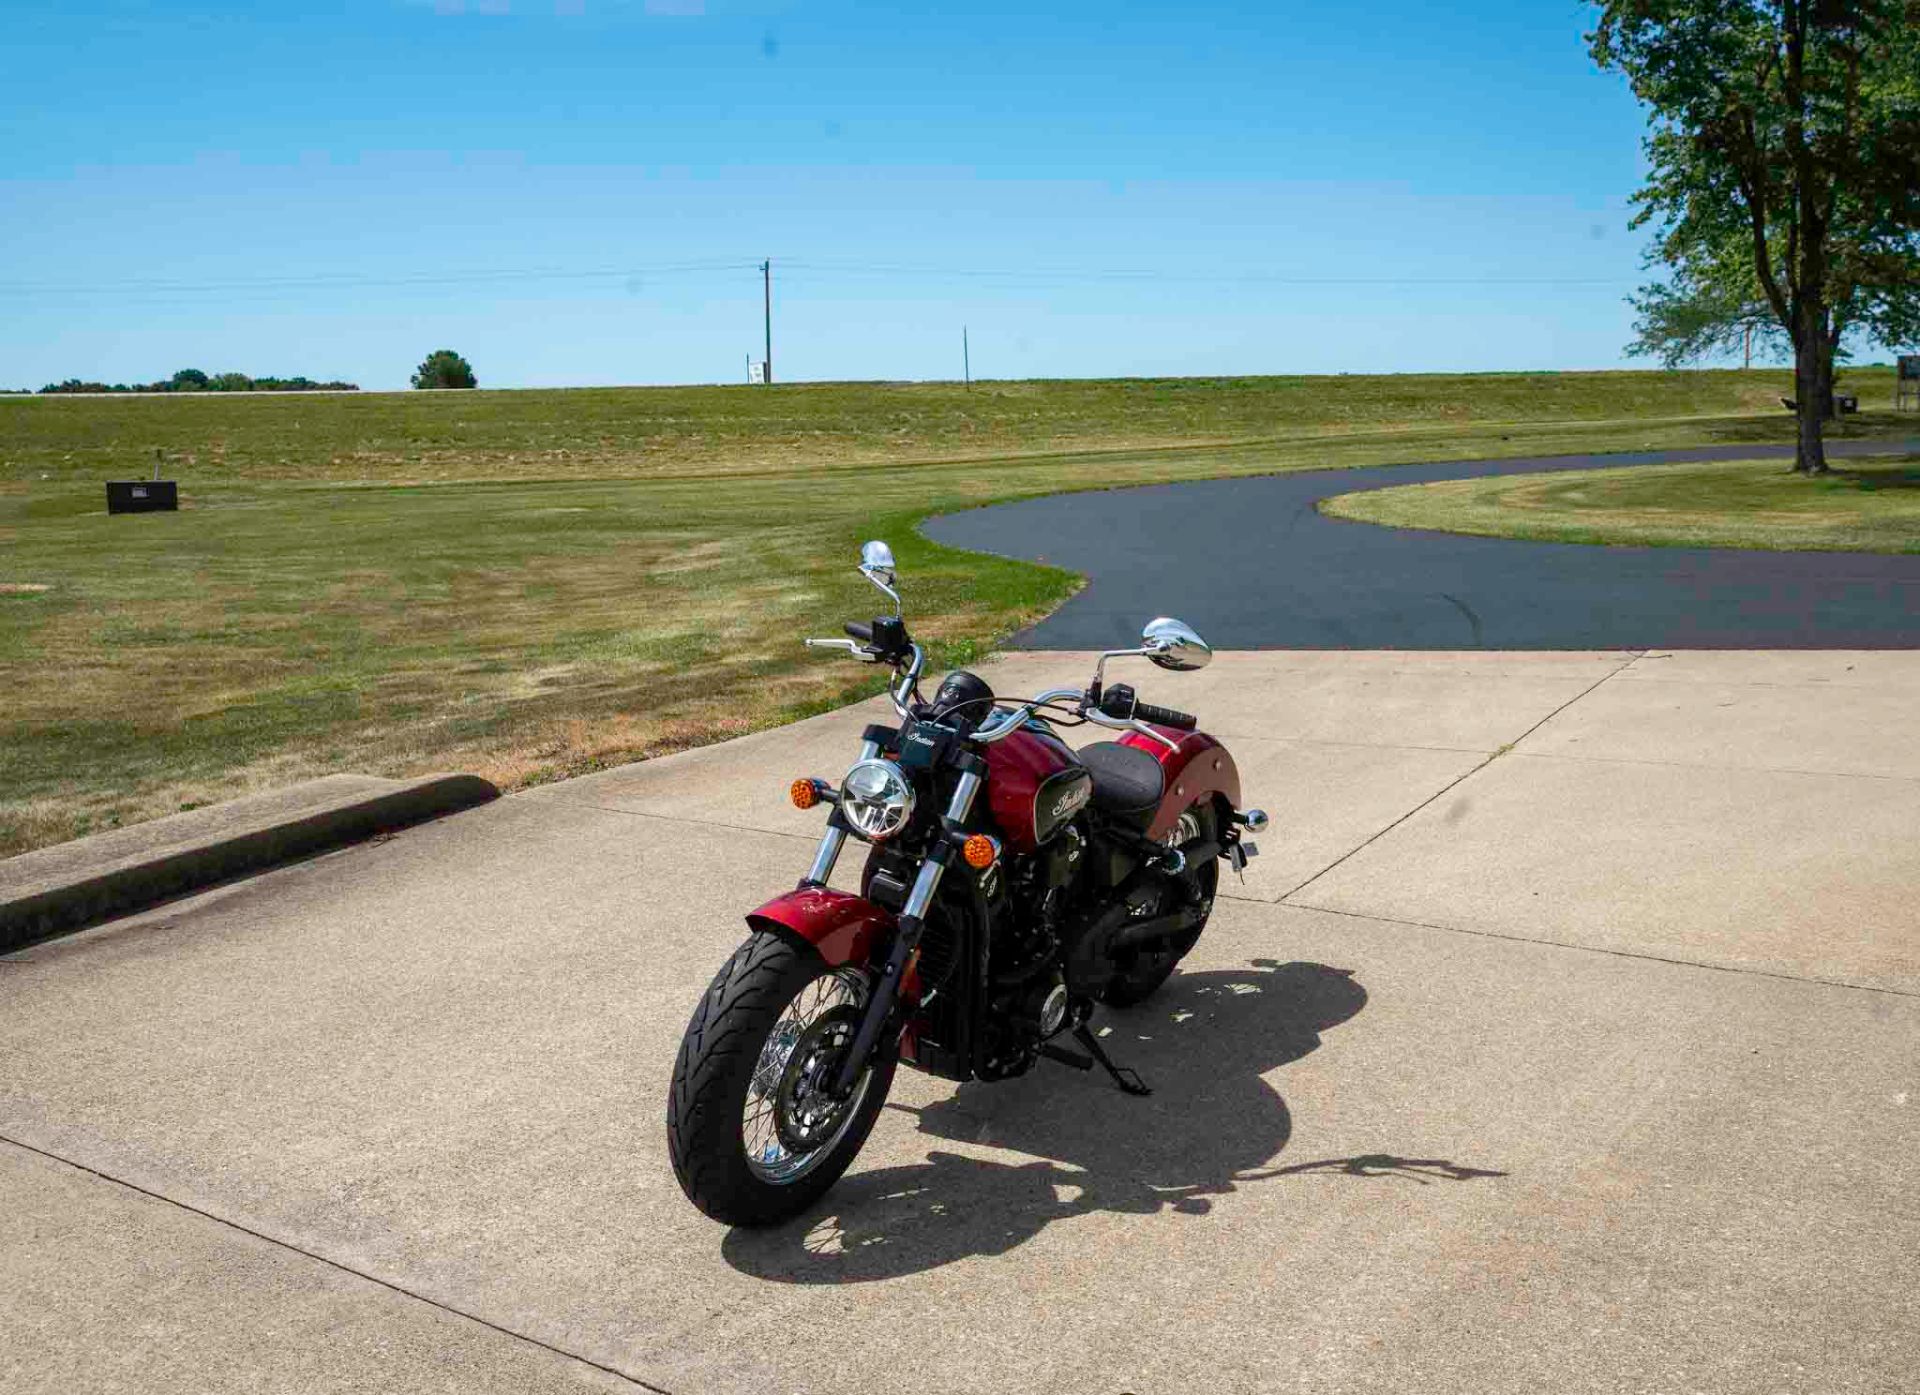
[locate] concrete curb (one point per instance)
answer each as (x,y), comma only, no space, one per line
(73,885)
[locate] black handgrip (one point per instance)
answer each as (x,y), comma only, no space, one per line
(1165,716)
(1119,701)
(861,632)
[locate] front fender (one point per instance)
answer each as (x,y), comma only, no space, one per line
(842,926)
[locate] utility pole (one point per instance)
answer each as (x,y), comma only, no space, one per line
(766,272)
(966,358)
(1749,328)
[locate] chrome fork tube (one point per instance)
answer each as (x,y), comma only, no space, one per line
(927,883)
(834,838)
(906,939)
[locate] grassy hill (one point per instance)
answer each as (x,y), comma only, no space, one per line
(642,432)
(529,584)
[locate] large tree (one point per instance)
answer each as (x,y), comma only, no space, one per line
(1784,175)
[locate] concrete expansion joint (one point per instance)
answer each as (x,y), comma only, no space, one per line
(399,1289)
(1635,656)
(1640,955)
(715,824)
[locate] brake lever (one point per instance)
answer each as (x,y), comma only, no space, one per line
(864,655)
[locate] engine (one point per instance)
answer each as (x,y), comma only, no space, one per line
(1030,1001)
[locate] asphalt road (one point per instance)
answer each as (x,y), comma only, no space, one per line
(1252,564)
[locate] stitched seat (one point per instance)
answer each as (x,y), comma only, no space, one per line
(1127,782)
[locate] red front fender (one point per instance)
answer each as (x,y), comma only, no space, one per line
(842,926)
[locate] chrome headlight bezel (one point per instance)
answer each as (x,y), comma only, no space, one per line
(876,799)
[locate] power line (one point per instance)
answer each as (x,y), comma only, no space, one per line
(815,271)
(355,280)
(1150,274)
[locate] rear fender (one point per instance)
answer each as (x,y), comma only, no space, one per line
(845,928)
(1199,768)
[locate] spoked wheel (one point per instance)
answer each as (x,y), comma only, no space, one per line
(755,1134)
(1141,979)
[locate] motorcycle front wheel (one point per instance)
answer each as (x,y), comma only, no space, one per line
(754,1136)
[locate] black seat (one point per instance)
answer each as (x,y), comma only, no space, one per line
(1127,782)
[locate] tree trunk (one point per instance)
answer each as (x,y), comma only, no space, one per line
(1807,240)
(1812,387)
(1809,457)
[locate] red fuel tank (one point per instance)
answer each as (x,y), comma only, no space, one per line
(1034,785)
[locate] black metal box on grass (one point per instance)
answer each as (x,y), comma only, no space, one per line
(142,496)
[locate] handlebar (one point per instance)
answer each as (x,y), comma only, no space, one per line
(1119,701)
(1118,710)
(1165,716)
(909,673)
(1012,719)
(1015,718)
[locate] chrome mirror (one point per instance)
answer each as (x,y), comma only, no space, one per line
(876,560)
(876,565)
(1173,645)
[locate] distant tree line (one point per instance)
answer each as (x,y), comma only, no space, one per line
(193,380)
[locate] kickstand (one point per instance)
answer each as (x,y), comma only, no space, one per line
(1127,1080)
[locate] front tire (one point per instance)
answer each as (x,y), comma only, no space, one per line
(753,1143)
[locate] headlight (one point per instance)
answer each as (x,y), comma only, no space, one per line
(876,799)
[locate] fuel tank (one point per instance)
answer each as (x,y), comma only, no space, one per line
(1034,785)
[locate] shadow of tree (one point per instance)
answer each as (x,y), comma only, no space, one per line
(1211,1125)
(1869,481)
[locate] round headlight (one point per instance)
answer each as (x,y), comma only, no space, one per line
(876,799)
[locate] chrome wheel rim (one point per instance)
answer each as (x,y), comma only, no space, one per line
(783,1103)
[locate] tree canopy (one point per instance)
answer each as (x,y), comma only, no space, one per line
(1783,176)
(193,380)
(444,368)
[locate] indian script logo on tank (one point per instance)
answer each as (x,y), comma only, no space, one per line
(1071,800)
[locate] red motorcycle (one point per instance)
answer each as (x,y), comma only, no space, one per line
(1011,885)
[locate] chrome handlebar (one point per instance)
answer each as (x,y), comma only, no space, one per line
(1017,717)
(903,689)
(1009,721)
(897,692)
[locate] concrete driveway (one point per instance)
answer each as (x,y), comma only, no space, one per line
(1567,1036)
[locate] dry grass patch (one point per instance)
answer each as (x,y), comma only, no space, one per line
(511,609)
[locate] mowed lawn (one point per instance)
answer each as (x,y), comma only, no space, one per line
(529,584)
(1859,507)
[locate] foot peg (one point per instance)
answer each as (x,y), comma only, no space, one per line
(1128,1080)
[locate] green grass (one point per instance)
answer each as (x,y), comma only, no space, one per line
(532,584)
(1861,507)
(639,433)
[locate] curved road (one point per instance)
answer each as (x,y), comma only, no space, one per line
(1252,564)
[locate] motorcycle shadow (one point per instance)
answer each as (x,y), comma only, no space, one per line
(1211,1125)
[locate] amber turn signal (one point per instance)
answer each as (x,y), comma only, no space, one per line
(979,851)
(804,794)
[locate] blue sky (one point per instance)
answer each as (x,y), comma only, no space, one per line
(578,191)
